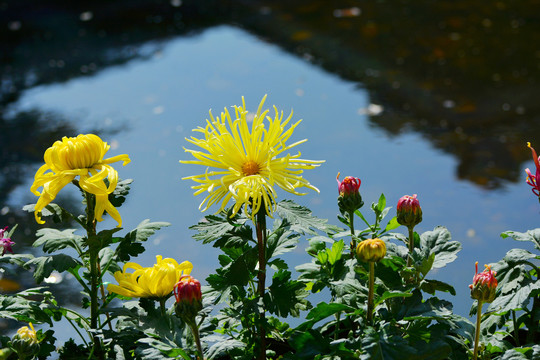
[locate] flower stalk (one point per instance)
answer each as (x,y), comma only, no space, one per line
(370,293)
(477,333)
(261,280)
(483,289)
(371,251)
(409,214)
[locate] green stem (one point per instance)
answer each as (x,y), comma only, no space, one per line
(336,331)
(196,336)
(531,334)
(370,294)
(477,335)
(93,250)
(261,277)
(514,321)
(411,245)
(162,306)
(353,241)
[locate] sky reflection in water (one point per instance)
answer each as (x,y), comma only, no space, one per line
(160,99)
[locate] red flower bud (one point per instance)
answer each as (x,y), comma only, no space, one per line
(188,296)
(409,212)
(484,285)
(349,199)
(371,250)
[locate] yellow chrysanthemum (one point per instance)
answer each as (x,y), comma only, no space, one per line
(248,163)
(151,282)
(80,156)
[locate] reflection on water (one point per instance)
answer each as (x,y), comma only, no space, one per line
(408,97)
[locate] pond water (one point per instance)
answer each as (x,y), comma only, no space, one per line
(146,105)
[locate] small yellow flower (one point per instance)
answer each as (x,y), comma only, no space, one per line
(150,282)
(80,156)
(27,334)
(246,164)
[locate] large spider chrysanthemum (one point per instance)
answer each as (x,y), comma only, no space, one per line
(82,156)
(246,164)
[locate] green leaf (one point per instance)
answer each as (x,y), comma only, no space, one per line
(223,231)
(15,259)
(516,256)
(144,230)
(392,224)
(19,307)
(52,240)
(301,218)
(323,310)
(515,300)
(334,254)
(285,296)
(382,345)
(120,193)
(531,235)
(513,354)
(439,242)
(280,242)
(430,286)
(224,347)
(389,295)
(131,245)
(45,265)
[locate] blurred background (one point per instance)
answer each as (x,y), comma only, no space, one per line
(435,98)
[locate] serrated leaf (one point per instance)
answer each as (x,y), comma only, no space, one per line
(222,230)
(130,245)
(515,300)
(439,242)
(334,254)
(430,286)
(118,196)
(515,256)
(45,265)
(382,345)
(531,235)
(285,296)
(18,307)
(15,259)
(224,347)
(52,240)
(280,242)
(144,230)
(301,218)
(323,310)
(513,354)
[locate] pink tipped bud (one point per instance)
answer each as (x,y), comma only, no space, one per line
(533,180)
(188,296)
(349,199)
(484,285)
(409,212)
(5,243)
(371,250)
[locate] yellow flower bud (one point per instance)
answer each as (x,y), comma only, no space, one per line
(371,250)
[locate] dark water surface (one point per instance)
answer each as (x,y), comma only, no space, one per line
(434,98)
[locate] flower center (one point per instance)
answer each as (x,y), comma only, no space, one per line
(250,168)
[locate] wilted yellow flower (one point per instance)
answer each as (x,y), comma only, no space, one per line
(246,163)
(80,156)
(150,282)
